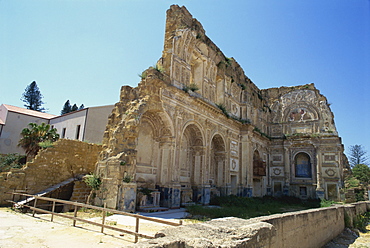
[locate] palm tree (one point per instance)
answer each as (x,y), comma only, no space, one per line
(36,134)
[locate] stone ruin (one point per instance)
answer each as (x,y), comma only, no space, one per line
(196,127)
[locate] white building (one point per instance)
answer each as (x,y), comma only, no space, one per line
(86,125)
(12,121)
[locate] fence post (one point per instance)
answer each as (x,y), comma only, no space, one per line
(103,221)
(75,215)
(137,229)
(34,206)
(52,211)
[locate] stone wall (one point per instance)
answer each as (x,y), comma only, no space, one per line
(308,228)
(67,159)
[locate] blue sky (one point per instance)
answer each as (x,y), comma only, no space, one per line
(85,50)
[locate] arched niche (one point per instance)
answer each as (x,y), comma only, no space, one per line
(154,130)
(302,165)
(191,155)
(217,161)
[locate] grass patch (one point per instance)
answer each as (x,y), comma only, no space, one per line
(245,208)
(361,221)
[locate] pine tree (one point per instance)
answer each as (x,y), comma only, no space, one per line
(66,108)
(32,97)
(357,155)
(74,107)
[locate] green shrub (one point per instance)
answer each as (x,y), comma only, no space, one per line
(327,203)
(46,144)
(223,109)
(93,181)
(12,160)
(361,221)
(193,87)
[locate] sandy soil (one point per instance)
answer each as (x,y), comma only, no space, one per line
(23,230)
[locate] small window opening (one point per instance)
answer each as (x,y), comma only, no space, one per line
(78,131)
(64,133)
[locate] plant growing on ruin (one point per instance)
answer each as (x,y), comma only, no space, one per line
(92,181)
(10,161)
(127,179)
(242,121)
(228,61)
(223,109)
(193,87)
(242,86)
(46,144)
(159,68)
(142,75)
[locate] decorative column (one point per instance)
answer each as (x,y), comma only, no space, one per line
(249,163)
(320,192)
(287,171)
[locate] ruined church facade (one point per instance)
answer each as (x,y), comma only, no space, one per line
(196,127)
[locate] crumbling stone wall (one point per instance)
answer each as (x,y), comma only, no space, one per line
(304,229)
(67,159)
(196,126)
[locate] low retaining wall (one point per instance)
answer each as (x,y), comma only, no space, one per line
(308,228)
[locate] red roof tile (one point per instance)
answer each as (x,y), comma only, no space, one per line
(29,112)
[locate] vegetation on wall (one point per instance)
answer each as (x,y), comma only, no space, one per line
(193,87)
(11,160)
(142,75)
(92,181)
(223,109)
(256,129)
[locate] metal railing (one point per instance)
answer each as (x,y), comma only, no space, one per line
(104,211)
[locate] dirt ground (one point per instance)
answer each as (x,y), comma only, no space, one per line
(22,230)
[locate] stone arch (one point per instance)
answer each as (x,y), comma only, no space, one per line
(217,161)
(154,130)
(191,158)
(302,165)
